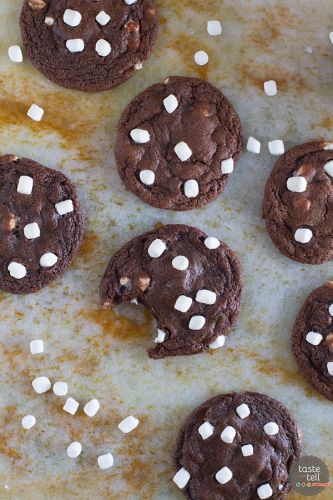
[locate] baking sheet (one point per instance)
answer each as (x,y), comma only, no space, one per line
(103,354)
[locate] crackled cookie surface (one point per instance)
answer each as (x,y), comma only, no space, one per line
(312,340)
(86,44)
(191,283)
(298,203)
(239,447)
(41,225)
(177,143)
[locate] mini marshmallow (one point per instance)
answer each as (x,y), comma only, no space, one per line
(314,338)
(247,450)
(72,17)
(25,184)
(64,207)
(297,184)
(49,20)
(60,388)
(180,263)
(218,343)
(227,166)
(206,297)
(130,2)
(160,337)
(105,461)
(17,270)
(201,58)
(253,146)
(243,410)
(156,249)
(303,235)
(270,88)
(328,167)
(224,475)
(271,428)
(140,136)
(330,367)
(128,424)
(264,491)
(138,66)
(183,151)
(15,53)
(328,146)
(214,28)
(183,303)
(228,434)
(36,346)
(197,322)
(75,45)
(181,478)
(31,231)
(276,147)
(191,188)
(41,385)
(91,408)
(28,422)
(35,113)
(48,259)
(103,48)
(74,449)
(135,301)
(330,310)
(71,406)
(212,243)
(147,177)
(103,18)
(170,103)
(206,430)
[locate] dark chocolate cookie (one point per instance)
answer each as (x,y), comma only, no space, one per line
(177,143)
(298,203)
(41,225)
(312,339)
(191,283)
(87,44)
(237,447)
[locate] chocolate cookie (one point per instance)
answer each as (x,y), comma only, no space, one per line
(191,284)
(237,447)
(41,225)
(177,143)
(88,45)
(298,203)
(312,339)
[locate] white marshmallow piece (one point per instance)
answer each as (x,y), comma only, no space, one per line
(309,50)
(75,45)
(328,167)
(31,231)
(130,2)
(212,243)
(218,343)
(91,408)
(28,422)
(181,478)
(71,406)
(15,53)
(180,263)
(313,338)
(227,166)
(228,434)
(147,177)
(60,388)
(36,346)
(49,20)
(48,259)
(183,303)
(197,323)
(206,430)
(330,367)
(303,235)
(35,113)
(330,310)
(243,410)
(201,58)
(297,184)
(103,18)
(74,449)
(140,136)
(224,475)
(160,337)
(138,66)
(105,461)
(72,17)
(25,184)
(328,146)
(170,103)
(128,424)
(264,491)
(183,151)
(41,385)
(103,48)
(247,450)
(331,36)
(156,249)
(17,270)
(214,28)
(270,88)
(276,147)
(253,146)
(64,207)
(271,428)
(206,297)
(191,188)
